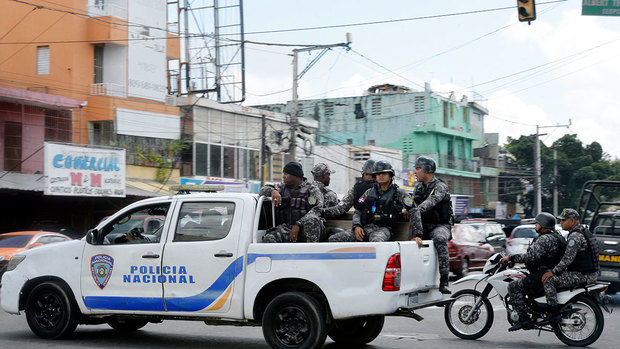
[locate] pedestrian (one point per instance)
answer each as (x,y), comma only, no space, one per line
(297,203)
(322,177)
(354,194)
(544,253)
(380,208)
(431,218)
(579,265)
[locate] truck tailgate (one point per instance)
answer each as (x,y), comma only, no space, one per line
(419,269)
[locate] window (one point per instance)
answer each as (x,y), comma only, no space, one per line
(445,114)
(139,226)
(465,119)
(10,241)
(43,60)
(204,221)
(98,64)
(359,113)
(451,111)
(229,162)
(50,239)
(57,126)
(101,132)
(215,162)
(376,106)
(12,146)
(329,108)
(524,233)
(202,151)
(418,104)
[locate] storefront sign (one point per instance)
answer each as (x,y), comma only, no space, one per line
(82,171)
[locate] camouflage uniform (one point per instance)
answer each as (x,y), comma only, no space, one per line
(439,229)
(544,252)
(563,276)
(330,197)
(376,229)
(311,225)
(349,200)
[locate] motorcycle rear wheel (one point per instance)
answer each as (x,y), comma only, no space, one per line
(581,332)
(456,313)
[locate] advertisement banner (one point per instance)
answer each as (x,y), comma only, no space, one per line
(408,177)
(83,171)
(460,205)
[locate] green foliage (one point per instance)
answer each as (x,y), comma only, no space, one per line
(576,164)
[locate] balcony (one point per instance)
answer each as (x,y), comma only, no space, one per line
(108,89)
(109,8)
(454,163)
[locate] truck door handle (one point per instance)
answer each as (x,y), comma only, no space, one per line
(150,256)
(223,254)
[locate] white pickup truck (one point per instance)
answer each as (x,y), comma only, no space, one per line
(202,259)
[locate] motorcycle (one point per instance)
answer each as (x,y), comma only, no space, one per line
(580,321)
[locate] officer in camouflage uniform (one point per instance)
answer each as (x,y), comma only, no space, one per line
(354,194)
(380,208)
(322,177)
(544,253)
(431,218)
(579,265)
(297,204)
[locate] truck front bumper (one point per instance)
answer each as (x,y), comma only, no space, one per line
(12,284)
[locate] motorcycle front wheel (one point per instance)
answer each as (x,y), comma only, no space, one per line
(470,316)
(582,324)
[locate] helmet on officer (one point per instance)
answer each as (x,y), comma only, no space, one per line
(546,220)
(369,166)
(426,163)
(382,166)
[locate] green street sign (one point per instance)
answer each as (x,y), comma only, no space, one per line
(600,8)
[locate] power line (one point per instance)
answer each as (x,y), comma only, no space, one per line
(17,23)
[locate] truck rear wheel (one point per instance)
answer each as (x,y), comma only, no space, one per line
(357,331)
(294,320)
(50,312)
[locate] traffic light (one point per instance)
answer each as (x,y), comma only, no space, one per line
(527,10)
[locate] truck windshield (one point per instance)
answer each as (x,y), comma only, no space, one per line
(14,240)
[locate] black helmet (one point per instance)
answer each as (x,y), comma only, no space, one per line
(369,166)
(426,164)
(382,167)
(546,220)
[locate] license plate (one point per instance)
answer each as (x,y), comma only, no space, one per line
(412,299)
(609,273)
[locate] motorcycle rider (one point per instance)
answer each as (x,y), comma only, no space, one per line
(544,253)
(432,216)
(578,266)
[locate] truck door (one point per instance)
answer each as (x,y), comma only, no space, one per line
(201,261)
(121,267)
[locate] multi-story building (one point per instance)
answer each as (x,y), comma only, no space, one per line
(416,123)
(109,55)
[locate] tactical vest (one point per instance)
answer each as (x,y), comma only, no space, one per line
(294,204)
(438,214)
(549,260)
(359,189)
(586,260)
(381,209)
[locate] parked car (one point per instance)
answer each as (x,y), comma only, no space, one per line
(606,228)
(13,243)
(520,239)
(492,232)
(468,249)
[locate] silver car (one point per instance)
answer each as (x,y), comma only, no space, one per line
(520,239)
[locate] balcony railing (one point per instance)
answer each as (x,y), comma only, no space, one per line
(454,163)
(101,8)
(108,89)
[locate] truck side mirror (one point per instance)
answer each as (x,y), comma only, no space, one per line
(91,236)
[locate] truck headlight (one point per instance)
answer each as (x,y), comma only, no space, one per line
(14,262)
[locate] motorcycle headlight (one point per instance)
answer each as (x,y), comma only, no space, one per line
(14,262)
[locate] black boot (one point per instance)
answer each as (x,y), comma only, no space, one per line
(443,284)
(523,324)
(553,314)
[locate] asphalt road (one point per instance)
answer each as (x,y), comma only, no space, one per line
(398,333)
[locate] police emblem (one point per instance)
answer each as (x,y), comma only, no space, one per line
(312,200)
(101,266)
(408,201)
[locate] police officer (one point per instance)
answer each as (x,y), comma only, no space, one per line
(296,203)
(354,194)
(432,216)
(322,176)
(578,266)
(544,253)
(379,210)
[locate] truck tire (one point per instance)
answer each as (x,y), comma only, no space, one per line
(357,331)
(50,312)
(294,320)
(126,325)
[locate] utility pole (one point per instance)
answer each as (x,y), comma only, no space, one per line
(537,164)
(292,150)
(263,151)
(555,182)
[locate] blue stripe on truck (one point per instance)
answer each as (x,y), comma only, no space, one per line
(311,256)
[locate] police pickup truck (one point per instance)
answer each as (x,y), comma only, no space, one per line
(206,262)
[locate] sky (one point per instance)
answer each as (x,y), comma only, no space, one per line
(563,66)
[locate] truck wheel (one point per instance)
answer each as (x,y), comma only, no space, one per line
(50,312)
(294,320)
(357,331)
(127,325)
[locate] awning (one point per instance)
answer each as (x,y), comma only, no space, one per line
(36,182)
(38,98)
